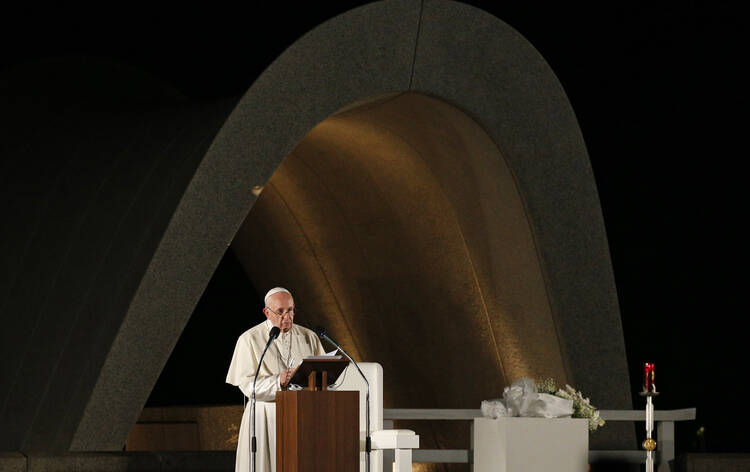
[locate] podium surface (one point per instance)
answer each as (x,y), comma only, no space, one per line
(319,371)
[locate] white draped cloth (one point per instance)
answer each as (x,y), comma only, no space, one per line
(289,348)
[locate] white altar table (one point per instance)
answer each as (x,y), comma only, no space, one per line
(531,444)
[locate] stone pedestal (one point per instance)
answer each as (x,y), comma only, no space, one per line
(531,444)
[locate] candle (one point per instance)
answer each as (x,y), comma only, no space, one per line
(648,377)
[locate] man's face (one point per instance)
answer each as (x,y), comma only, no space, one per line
(280,311)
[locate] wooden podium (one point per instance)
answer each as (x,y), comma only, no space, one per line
(317,430)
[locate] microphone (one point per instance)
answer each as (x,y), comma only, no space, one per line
(321,332)
(273,334)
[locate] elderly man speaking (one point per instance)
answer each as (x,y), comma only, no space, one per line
(293,344)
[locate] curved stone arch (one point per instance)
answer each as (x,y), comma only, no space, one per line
(440,48)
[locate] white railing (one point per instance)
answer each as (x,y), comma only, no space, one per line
(664,420)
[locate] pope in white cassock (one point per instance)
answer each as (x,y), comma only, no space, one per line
(293,344)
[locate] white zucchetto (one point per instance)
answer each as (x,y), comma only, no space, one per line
(273,291)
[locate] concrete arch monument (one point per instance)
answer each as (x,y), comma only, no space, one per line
(489,83)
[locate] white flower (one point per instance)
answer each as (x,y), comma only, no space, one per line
(582,407)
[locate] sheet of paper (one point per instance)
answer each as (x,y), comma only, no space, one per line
(327,355)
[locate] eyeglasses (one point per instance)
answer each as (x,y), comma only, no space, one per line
(289,312)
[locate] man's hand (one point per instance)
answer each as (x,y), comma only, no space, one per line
(286,376)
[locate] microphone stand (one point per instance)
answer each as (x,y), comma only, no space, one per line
(274,333)
(368,445)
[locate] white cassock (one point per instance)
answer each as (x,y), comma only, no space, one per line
(294,345)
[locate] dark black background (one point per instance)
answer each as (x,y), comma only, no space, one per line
(660,97)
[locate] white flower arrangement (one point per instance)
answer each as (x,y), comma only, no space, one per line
(582,407)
